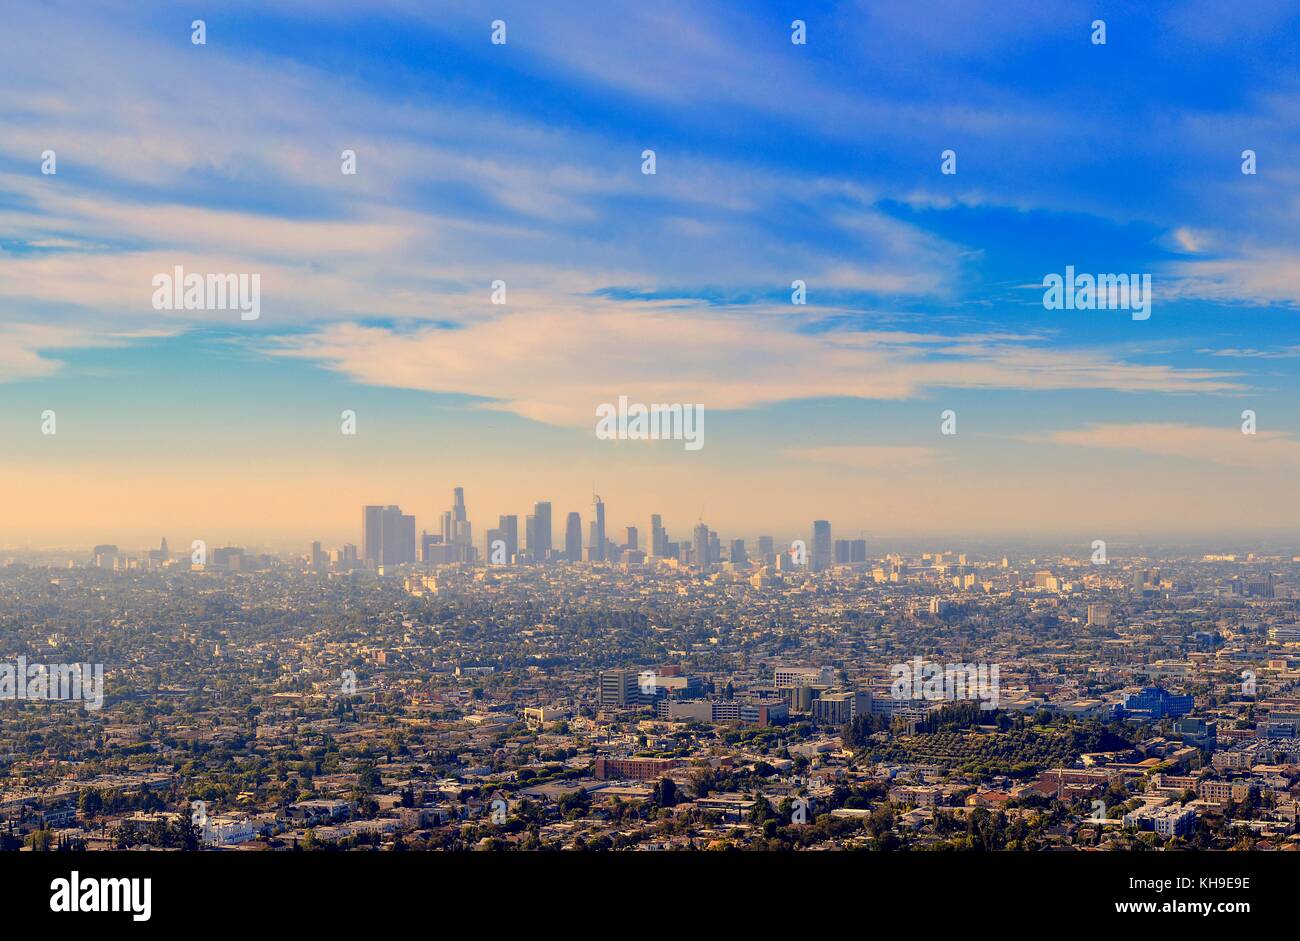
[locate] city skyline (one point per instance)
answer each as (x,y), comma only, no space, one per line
(457,526)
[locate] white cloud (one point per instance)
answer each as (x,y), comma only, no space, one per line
(25,348)
(554,364)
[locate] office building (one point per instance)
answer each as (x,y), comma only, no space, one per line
(541,544)
(396,537)
(371,522)
(788,677)
(620,688)
(598,529)
(573,538)
(658,536)
(509,526)
(1099,615)
(850,551)
(701,546)
(455,522)
(1154,702)
(821,546)
(493,537)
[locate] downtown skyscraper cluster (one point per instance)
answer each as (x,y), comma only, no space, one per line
(389,539)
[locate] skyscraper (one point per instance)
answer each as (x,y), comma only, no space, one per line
(633,538)
(598,529)
(738,555)
(821,545)
(460,529)
(396,536)
(701,546)
(371,520)
(541,531)
(658,536)
(573,538)
(493,536)
(387,535)
(509,526)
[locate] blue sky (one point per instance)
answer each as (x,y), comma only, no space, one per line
(775,162)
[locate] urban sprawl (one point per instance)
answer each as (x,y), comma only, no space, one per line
(523,692)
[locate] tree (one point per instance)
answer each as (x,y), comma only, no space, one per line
(90,803)
(666,792)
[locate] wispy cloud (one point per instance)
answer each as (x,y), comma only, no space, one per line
(29,351)
(556,364)
(1265,450)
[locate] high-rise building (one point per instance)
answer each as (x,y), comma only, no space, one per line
(317,557)
(766,550)
(620,688)
(396,537)
(460,528)
(701,546)
(633,537)
(1099,615)
(509,526)
(598,528)
(230,558)
(371,521)
(821,545)
(456,530)
(105,556)
(738,556)
(493,536)
(541,545)
(848,551)
(573,538)
(658,536)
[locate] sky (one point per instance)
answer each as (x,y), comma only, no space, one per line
(522,163)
